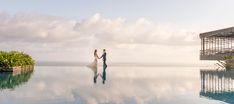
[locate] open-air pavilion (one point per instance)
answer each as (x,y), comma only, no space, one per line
(215,45)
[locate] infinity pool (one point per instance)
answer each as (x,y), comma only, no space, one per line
(123,85)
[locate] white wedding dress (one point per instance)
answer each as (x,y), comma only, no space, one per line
(93,65)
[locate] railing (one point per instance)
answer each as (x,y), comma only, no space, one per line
(214,52)
(215,55)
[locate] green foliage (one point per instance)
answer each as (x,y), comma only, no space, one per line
(14,58)
(229,57)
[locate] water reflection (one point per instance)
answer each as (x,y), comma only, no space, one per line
(103,75)
(123,85)
(10,80)
(96,74)
(217,85)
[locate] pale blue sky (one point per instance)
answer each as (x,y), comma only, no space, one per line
(173,11)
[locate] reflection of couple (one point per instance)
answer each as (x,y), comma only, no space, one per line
(93,66)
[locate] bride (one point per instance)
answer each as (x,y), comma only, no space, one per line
(93,65)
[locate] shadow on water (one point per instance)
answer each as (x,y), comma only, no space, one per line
(217,85)
(11,80)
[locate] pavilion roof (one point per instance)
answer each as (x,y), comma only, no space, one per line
(227,32)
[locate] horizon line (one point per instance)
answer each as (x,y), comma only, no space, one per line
(149,64)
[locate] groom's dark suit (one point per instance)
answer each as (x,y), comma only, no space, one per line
(104,58)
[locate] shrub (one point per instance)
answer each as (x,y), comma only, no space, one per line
(15,58)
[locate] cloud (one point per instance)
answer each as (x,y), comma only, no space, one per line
(48,37)
(35,28)
(142,31)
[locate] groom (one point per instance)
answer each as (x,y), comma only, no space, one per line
(104,58)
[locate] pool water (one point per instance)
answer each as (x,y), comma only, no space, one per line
(122,85)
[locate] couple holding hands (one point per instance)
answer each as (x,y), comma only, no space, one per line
(94,66)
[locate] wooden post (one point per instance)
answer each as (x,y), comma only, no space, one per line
(203,44)
(216,45)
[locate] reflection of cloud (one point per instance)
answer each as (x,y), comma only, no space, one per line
(41,86)
(75,85)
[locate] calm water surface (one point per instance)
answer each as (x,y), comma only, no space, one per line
(123,85)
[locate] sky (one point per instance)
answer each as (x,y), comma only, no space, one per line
(139,31)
